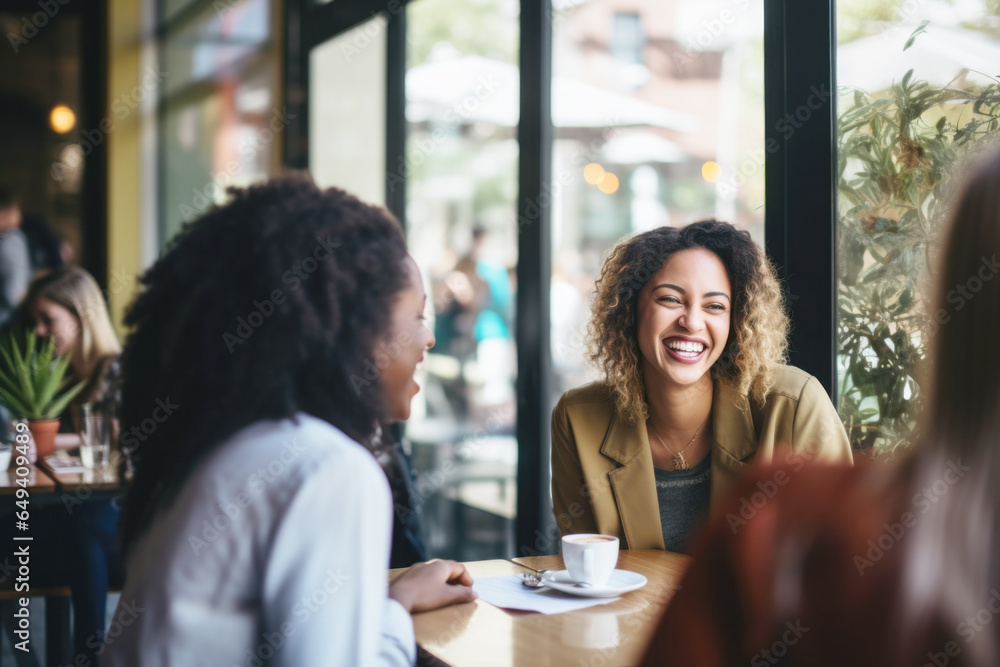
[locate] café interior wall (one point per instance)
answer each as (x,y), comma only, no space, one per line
(125,172)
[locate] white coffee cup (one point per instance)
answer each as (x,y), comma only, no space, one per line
(590,558)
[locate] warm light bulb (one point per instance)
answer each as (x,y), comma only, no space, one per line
(711,171)
(62,118)
(592,173)
(608,184)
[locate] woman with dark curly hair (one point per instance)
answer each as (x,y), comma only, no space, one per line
(269,345)
(689,328)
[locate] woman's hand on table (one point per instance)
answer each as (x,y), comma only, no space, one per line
(436,583)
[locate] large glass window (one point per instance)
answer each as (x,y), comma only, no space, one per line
(347,111)
(219,119)
(917,93)
(461,184)
(658,111)
(658,119)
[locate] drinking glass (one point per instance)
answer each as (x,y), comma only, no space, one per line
(95,447)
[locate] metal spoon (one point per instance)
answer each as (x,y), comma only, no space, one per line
(531,579)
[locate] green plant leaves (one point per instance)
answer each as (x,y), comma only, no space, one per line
(54,409)
(913,36)
(30,382)
(13,403)
(896,152)
(906,78)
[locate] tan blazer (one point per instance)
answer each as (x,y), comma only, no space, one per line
(602,468)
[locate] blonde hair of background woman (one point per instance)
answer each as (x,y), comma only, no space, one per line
(76,290)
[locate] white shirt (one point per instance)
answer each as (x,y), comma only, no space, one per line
(274,553)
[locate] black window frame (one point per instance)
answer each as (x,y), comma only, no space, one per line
(800,189)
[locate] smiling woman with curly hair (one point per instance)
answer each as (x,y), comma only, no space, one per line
(689,329)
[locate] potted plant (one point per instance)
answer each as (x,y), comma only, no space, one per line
(32,387)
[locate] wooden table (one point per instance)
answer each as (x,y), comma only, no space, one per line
(99,479)
(481,635)
(38,481)
(47,486)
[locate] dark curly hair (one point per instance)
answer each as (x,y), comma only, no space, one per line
(266,306)
(758,328)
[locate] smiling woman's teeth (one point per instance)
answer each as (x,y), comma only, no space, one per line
(686,348)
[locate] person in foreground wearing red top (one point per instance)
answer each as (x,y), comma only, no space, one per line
(809,565)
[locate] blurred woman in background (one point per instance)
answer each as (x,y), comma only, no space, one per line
(874,565)
(77,539)
(67,306)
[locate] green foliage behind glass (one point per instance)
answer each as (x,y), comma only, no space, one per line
(896,156)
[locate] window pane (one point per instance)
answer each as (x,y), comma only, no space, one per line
(168,9)
(209,142)
(903,125)
(216,43)
(347,111)
(219,117)
(461,154)
(659,120)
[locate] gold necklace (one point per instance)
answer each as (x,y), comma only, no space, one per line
(678,460)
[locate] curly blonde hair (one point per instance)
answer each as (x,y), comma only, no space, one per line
(758,334)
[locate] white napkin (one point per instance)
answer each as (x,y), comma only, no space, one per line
(64,463)
(507,592)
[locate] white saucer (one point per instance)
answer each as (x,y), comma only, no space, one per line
(620,581)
